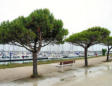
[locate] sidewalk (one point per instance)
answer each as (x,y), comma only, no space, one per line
(10,74)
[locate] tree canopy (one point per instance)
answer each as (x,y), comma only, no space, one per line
(25,31)
(89,37)
(108,41)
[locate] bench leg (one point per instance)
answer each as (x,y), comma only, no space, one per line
(62,69)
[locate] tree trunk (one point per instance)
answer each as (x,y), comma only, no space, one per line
(108,54)
(85,55)
(35,72)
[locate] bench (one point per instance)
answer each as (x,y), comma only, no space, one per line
(66,63)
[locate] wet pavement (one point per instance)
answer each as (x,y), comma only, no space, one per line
(100,75)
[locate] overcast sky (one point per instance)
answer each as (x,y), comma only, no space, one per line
(77,15)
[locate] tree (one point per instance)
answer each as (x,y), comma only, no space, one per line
(104,51)
(108,43)
(87,38)
(35,31)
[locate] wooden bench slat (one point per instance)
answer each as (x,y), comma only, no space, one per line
(67,62)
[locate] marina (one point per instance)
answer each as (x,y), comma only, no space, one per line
(17,56)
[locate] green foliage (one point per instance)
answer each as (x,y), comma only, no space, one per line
(101,31)
(51,28)
(108,41)
(39,28)
(104,51)
(4,28)
(89,37)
